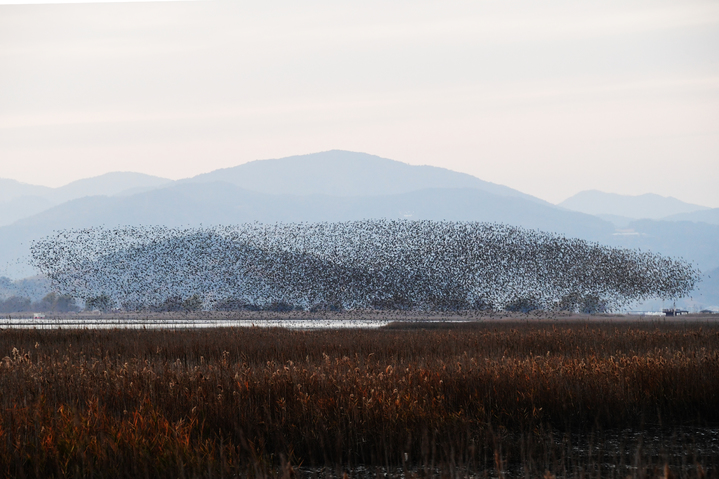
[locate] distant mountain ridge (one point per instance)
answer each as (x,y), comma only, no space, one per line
(333,173)
(334,186)
(11,189)
(707,216)
(647,206)
(20,200)
(22,207)
(221,202)
(108,184)
(346,173)
(209,203)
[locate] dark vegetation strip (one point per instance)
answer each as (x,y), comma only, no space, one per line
(488,396)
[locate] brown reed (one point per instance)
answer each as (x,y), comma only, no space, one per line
(473,398)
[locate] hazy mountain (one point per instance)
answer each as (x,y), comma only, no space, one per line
(108,184)
(616,220)
(698,242)
(20,200)
(219,202)
(224,203)
(333,173)
(338,186)
(11,189)
(707,216)
(140,189)
(649,205)
(22,207)
(347,173)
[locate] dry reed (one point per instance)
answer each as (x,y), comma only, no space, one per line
(489,398)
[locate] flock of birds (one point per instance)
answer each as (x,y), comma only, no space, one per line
(380,264)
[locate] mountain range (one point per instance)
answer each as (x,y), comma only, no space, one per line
(647,206)
(20,200)
(339,186)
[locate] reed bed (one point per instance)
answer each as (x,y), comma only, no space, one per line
(492,399)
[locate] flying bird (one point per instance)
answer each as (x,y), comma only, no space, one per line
(390,265)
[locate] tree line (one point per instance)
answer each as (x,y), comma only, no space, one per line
(51,303)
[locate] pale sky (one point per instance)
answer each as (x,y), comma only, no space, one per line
(550,98)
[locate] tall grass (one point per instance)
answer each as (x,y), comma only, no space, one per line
(494,398)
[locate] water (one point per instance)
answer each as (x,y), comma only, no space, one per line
(114,323)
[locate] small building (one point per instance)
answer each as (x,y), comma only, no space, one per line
(674,312)
(38,316)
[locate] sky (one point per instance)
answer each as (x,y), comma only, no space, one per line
(550,98)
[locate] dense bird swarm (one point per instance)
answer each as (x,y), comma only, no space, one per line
(423,265)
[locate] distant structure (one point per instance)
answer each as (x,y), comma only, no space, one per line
(645,313)
(674,312)
(381,264)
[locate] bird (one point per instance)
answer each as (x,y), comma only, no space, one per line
(369,265)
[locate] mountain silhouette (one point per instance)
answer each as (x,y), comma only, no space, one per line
(647,206)
(347,173)
(224,203)
(706,216)
(20,200)
(340,186)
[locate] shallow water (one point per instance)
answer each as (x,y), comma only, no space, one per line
(30,323)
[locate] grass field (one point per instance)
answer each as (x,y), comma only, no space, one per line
(486,399)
